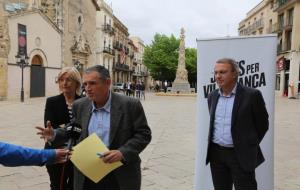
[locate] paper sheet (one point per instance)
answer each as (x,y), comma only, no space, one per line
(85,158)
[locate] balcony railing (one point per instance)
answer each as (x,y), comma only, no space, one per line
(108,50)
(108,29)
(280,4)
(140,73)
(253,27)
(121,67)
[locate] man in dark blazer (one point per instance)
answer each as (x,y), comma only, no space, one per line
(119,121)
(238,123)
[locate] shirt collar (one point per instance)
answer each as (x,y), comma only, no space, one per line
(106,107)
(233,92)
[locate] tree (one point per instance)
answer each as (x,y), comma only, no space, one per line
(161,58)
(191,64)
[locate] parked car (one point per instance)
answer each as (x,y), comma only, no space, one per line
(118,87)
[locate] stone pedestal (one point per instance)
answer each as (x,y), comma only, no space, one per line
(181,88)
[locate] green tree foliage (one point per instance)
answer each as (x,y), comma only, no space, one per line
(161,58)
(191,64)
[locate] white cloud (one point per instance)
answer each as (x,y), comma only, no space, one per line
(201,19)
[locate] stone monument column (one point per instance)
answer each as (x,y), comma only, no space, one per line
(181,83)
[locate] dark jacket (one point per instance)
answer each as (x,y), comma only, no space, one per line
(249,125)
(129,133)
(56,111)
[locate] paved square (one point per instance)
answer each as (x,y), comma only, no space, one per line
(168,162)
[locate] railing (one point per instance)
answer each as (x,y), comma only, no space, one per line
(140,73)
(253,27)
(108,29)
(108,50)
(121,67)
(280,3)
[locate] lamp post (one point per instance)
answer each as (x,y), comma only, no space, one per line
(22,61)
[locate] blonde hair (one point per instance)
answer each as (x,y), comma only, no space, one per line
(74,75)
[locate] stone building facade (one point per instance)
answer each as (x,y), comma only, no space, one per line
(141,73)
(122,70)
(105,36)
(283,18)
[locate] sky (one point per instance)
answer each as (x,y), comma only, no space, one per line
(200,19)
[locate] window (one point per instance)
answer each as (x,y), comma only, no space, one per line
(277,84)
(290,17)
(280,21)
(288,35)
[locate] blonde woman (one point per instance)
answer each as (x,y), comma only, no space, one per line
(58,111)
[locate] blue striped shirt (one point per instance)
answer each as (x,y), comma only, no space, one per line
(222,123)
(100,121)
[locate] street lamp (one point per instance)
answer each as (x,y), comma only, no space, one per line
(22,61)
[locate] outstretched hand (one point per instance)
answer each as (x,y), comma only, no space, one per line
(45,133)
(61,155)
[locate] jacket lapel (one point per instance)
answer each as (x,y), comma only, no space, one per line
(86,115)
(115,116)
(236,104)
(213,106)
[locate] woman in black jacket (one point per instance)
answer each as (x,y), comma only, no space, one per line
(58,111)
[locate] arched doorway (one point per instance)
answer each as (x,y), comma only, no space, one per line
(37,77)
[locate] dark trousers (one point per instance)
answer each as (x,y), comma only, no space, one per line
(55,172)
(109,182)
(226,170)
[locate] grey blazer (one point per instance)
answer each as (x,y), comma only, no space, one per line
(129,133)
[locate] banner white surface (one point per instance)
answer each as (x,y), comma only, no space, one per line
(256,57)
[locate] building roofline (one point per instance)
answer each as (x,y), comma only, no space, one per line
(96,5)
(236,37)
(33,11)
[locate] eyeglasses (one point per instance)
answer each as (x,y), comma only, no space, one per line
(222,72)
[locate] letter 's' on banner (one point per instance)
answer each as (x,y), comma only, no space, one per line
(256,57)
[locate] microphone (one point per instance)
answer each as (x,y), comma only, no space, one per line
(73,132)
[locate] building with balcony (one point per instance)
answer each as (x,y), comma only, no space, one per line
(141,73)
(122,69)
(104,36)
(259,20)
(288,49)
(283,18)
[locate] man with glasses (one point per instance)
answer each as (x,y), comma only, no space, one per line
(119,121)
(238,123)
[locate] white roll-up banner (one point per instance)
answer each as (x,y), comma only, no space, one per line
(256,57)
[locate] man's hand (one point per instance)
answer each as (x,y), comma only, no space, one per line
(61,155)
(112,156)
(46,133)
